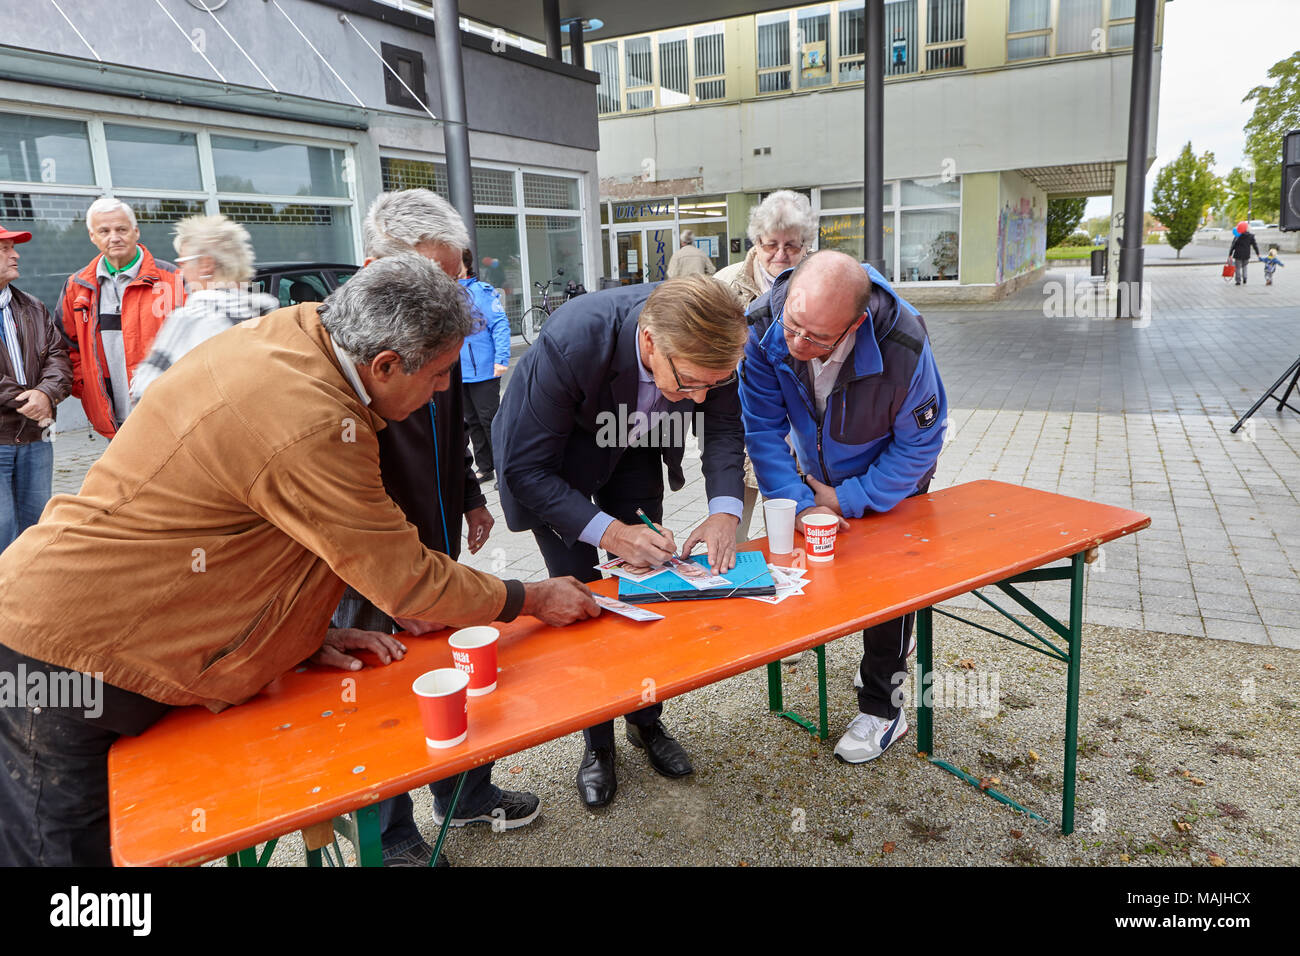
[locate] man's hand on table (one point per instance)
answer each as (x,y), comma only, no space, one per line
(479,522)
(338,640)
(638,545)
(718,532)
(827,503)
(559,601)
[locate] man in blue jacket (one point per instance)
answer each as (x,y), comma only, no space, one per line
(483,360)
(837,361)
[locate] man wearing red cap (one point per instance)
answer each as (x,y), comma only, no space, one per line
(35,375)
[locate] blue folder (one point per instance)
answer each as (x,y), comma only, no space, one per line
(750,576)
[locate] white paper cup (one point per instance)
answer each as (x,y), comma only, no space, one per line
(778,515)
(474,651)
(819,534)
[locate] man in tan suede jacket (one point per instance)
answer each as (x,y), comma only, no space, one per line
(211,542)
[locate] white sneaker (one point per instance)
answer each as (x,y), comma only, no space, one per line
(792,658)
(868,737)
(857,675)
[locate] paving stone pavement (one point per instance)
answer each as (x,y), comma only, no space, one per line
(1131,413)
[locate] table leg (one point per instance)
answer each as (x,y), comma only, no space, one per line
(1072,694)
(821,691)
(313,858)
(774,699)
(924,675)
(446,821)
(370,850)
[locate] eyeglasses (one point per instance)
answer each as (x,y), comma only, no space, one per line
(683,387)
(791,249)
(796,333)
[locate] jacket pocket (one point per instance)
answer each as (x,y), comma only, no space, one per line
(230,648)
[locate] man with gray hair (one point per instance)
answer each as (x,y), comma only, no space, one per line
(211,541)
(428,471)
(111,311)
(690,259)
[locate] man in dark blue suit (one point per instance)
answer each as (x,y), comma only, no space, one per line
(596,410)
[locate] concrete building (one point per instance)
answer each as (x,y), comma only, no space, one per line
(288,116)
(992,107)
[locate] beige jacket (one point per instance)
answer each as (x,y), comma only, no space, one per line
(740,276)
(689,261)
(211,541)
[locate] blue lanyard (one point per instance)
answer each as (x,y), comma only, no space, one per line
(442,510)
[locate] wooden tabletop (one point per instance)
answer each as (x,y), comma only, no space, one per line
(318,743)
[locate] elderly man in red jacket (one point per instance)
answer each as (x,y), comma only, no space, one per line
(111,311)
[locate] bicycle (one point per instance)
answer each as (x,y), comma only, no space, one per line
(530,323)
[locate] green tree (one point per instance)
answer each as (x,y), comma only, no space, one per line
(1239,201)
(1062,216)
(1277,110)
(1098,225)
(1183,189)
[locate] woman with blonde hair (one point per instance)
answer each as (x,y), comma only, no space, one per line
(215,256)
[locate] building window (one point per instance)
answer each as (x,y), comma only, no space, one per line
(900,37)
(1029,29)
(59,245)
(851,55)
(640,73)
(921,227)
(674,71)
(550,192)
(773,52)
(275,168)
(409,66)
(1078,26)
(710,61)
(814,32)
(1121,33)
(44,149)
(945,35)
(604,60)
(152,158)
(295,232)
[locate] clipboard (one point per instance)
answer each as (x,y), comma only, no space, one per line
(750,577)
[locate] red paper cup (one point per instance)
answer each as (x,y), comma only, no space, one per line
(444,708)
(819,534)
(474,651)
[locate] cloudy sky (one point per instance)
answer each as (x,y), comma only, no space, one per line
(1214,53)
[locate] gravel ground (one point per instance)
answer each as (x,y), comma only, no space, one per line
(1188,753)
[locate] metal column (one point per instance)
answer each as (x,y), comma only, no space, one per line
(551,26)
(455,129)
(1129,301)
(579,54)
(873,136)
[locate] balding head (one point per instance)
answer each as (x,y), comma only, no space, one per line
(827,295)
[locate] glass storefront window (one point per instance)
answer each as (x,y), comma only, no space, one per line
(152,158)
(712,238)
(397,174)
(554,242)
(846,198)
(928,244)
(550,192)
(59,246)
(934,191)
(814,47)
(274,168)
(44,149)
(703,207)
(498,261)
(844,232)
(295,232)
(157,220)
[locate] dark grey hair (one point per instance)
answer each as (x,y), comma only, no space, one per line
(397,221)
(780,211)
(402,302)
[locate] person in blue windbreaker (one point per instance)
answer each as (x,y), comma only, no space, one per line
(483,360)
(837,361)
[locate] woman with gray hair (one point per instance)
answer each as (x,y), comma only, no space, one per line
(782,229)
(215,257)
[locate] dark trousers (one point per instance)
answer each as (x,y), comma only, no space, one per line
(54,773)
(637,482)
(884,665)
(481,402)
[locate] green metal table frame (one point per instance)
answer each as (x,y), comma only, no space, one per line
(361,829)
(1070,634)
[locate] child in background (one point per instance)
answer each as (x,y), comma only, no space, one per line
(1271,262)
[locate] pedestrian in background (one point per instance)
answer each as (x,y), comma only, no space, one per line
(484,358)
(35,375)
(111,310)
(216,260)
(1239,251)
(689,259)
(1271,262)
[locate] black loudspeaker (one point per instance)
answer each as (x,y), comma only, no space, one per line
(1289,217)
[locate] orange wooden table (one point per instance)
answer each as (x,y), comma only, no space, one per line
(320,743)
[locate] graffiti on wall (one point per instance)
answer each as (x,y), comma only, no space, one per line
(1022,238)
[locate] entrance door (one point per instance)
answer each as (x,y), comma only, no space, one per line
(631,257)
(658,251)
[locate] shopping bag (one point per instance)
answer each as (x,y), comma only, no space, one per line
(1229,270)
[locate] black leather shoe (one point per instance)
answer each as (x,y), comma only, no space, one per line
(666,754)
(596,782)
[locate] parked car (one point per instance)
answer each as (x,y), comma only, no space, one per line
(294,282)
